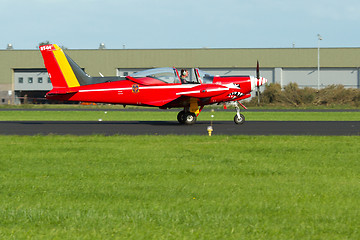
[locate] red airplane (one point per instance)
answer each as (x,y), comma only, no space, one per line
(159,87)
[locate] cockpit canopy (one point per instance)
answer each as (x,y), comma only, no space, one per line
(204,76)
(170,75)
(166,75)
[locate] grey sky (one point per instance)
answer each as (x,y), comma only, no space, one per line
(83,24)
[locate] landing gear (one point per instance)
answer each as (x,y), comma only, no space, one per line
(239,118)
(187,118)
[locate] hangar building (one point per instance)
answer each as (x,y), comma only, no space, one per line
(22,72)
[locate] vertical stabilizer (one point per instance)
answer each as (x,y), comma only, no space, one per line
(60,72)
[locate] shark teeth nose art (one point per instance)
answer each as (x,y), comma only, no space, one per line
(235,94)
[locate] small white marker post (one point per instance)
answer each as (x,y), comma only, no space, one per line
(210,128)
(100,119)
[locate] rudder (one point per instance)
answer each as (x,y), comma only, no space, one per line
(60,72)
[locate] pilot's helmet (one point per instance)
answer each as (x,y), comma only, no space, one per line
(183,72)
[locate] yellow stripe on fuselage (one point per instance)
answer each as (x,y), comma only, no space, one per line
(65,67)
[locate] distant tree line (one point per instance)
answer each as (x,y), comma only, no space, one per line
(293,96)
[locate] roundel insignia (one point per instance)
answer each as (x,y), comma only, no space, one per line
(135,88)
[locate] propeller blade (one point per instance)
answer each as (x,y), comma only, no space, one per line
(257,70)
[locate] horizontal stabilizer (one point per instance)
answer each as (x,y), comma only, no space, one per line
(61,92)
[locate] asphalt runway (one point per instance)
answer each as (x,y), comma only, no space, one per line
(322,128)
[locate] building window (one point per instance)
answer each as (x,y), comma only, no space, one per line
(49,81)
(30,80)
(21,80)
(40,80)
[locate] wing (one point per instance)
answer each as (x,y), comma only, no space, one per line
(204,91)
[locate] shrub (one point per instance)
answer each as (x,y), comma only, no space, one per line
(336,94)
(292,95)
(272,94)
(308,95)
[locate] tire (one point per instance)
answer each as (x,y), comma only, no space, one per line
(180,117)
(189,118)
(240,120)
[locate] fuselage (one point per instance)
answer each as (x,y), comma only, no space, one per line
(158,94)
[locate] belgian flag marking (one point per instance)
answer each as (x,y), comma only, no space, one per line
(65,67)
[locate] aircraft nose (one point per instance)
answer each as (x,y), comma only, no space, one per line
(261,81)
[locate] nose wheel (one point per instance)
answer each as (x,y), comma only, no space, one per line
(187,118)
(239,118)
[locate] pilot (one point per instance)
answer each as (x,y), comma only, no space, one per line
(183,76)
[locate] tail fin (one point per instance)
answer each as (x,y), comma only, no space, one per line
(57,63)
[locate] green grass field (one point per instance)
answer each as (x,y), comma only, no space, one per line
(179,187)
(161,115)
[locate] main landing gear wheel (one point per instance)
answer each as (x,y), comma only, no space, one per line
(240,120)
(187,118)
(180,117)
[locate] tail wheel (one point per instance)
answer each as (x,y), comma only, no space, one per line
(240,120)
